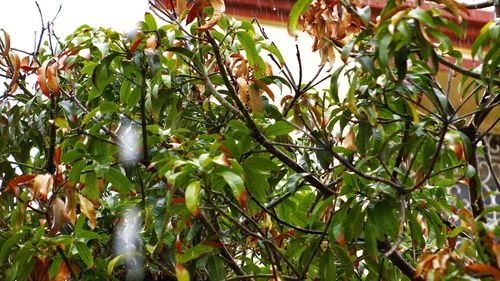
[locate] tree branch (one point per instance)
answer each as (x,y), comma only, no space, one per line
(255,132)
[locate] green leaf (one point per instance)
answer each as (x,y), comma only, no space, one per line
(8,244)
(102,74)
(346,263)
(234,181)
(365,14)
(71,156)
(119,181)
(192,197)
(416,230)
(421,15)
(54,267)
(216,270)
(253,56)
(480,41)
(275,51)
(467,145)
(61,122)
(371,237)
(293,181)
(150,21)
(259,164)
(385,217)
(115,260)
(334,84)
(298,9)
(363,137)
(279,128)
(75,172)
(108,107)
(327,267)
(195,252)
(257,184)
(85,254)
(402,62)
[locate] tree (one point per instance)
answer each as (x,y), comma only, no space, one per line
(186,128)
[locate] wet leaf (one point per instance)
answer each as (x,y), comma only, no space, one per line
(234,181)
(192,197)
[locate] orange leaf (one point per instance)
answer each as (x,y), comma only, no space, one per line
(53,79)
(57,155)
(58,217)
(484,268)
(42,80)
(87,208)
(178,200)
(219,8)
(243,198)
(6,49)
(264,87)
(195,10)
(20,180)
(64,274)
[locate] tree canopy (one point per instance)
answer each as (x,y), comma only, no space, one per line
(187,149)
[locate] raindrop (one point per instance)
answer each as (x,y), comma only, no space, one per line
(130,146)
(128,243)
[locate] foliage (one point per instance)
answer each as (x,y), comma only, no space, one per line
(239,172)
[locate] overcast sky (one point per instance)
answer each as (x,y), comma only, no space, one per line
(20,18)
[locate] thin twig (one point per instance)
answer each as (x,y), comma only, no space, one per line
(402,218)
(468,72)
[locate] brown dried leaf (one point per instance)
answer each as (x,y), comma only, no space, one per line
(42,185)
(6,49)
(57,216)
(219,8)
(87,208)
(70,204)
(256,103)
(16,65)
(350,141)
(243,89)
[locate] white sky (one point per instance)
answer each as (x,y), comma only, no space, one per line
(20,18)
